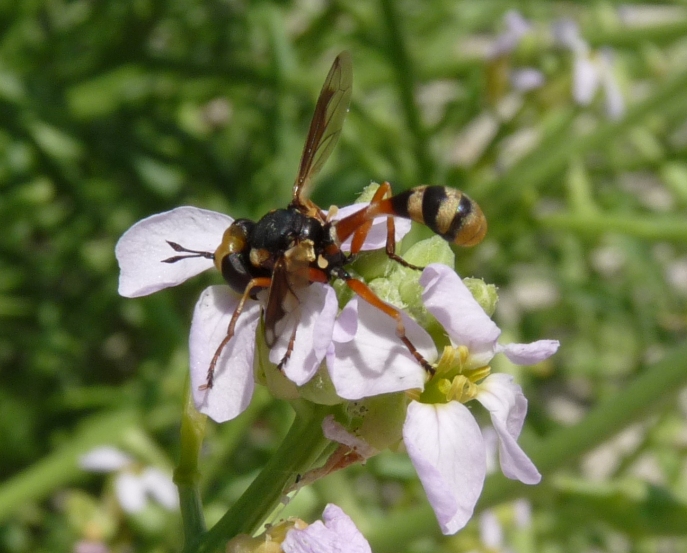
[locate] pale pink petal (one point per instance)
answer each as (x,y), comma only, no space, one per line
(516,28)
(566,33)
(614,101)
(336,534)
(376,361)
(315,319)
(104,459)
(376,238)
(446,448)
(160,487)
(491,531)
(585,79)
(508,406)
(529,354)
(336,432)
(86,546)
(143,248)
(527,79)
(233,382)
(449,300)
(346,324)
(130,492)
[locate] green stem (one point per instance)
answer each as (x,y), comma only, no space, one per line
(539,168)
(302,446)
(405,79)
(656,227)
(61,467)
(186,475)
(658,385)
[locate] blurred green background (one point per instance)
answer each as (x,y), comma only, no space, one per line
(113,111)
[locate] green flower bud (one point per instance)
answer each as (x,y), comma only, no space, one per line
(484,293)
(379,420)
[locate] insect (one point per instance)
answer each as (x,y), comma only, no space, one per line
(287,249)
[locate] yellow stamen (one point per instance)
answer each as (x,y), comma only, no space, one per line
(452,360)
(414,394)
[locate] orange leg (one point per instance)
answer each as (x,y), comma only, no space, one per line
(370,297)
(314,275)
(263,282)
(384,191)
(359,224)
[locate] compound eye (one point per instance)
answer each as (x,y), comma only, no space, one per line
(234,240)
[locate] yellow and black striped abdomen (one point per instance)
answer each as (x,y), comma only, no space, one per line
(447,211)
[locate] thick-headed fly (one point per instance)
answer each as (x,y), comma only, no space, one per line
(288,249)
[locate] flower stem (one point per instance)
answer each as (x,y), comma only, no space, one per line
(186,475)
(405,79)
(648,227)
(301,447)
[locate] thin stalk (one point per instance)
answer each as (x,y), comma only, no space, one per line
(405,79)
(187,475)
(648,227)
(301,447)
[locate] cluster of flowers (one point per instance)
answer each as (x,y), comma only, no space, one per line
(592,71)
(354,350)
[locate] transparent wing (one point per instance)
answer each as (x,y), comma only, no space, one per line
(326,124)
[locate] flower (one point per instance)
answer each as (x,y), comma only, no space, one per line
(591,70)
(133,485)
(335,533)
(443,439)
(517,29)
(149,262)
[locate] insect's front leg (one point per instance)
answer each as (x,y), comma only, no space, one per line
(263,282)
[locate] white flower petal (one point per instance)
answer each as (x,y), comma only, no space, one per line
(516,28)
(233,382)
(491,531)
(376,361)
(104,459)
(315,326)
(528,354)
(585,79)
(527,79)
(614,101)
(160,487)
(338,533)
(449,300)
(346,324)
(376,237)
(143,248)
(130,492)
(566,33)
(446,448)
(508,406)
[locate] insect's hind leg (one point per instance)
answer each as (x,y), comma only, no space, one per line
(379,207)
(366,293)
(262,282)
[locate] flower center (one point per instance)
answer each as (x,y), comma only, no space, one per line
(454,380)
